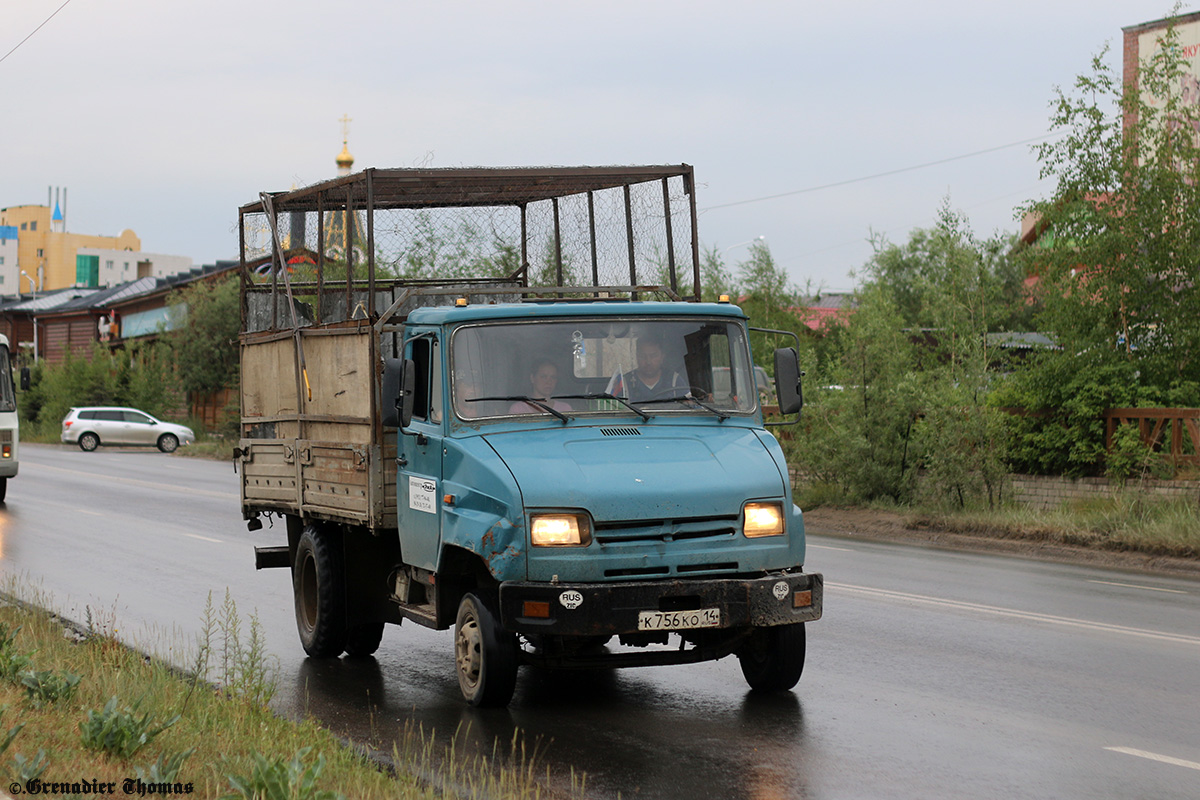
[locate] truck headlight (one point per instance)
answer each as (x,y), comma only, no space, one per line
(762,519)
(560,530)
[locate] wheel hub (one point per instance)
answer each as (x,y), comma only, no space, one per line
(468,647)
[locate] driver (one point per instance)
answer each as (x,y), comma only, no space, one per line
(649,380)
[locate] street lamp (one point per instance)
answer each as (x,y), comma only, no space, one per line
(32,284)
(748,241)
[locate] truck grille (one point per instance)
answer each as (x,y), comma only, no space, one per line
(6,436)
(665,530)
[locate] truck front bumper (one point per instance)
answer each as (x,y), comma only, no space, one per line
(597,609)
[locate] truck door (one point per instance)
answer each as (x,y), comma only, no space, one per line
(419,476)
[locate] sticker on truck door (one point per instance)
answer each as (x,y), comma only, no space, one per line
(422,494)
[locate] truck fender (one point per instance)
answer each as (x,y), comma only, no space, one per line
(460,571)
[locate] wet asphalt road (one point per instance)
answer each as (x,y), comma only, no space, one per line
(932,675)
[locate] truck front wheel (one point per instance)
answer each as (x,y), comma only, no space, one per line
(363,640)
(484,655)
(773,658)
(318,586)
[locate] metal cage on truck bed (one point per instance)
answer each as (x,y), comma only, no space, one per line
(330,271)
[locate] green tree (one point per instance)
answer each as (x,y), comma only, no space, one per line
(860,435)
(945,278)
(1121,242)
(715,277)
(770,300)
(912,369)
(140,376)
(205,347)
(1115,260)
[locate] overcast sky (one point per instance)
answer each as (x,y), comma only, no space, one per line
(164,117)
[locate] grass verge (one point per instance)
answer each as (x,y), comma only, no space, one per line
(1129,520)
(81,710)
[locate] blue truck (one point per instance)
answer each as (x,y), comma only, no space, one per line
(571,471)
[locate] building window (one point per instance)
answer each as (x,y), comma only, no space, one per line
(1,259)
(24,226)
(41,252)
(108,265)
(33,225)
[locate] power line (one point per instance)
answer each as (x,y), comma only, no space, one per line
(860,240)
(35,30)
(882,174)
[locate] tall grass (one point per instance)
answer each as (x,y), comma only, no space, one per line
(209,726)
(1129,521)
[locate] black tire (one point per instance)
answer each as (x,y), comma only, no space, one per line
(773,659)
(318,585)
(363,640)
(88,442)
(485,657)
(168,443)
(3,489)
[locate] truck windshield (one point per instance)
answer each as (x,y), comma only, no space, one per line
(581,366)
(8,399)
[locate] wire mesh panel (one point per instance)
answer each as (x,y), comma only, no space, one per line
(346,240)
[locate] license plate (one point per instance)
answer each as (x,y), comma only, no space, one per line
(679,620)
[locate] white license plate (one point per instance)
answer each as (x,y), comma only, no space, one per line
(679,620)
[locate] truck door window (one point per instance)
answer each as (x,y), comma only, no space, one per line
(427,397)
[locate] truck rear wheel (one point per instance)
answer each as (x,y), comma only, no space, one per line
(485,656)
(363,640)
(773,658)
(318,586)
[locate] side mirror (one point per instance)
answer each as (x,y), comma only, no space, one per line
(787,381)
(25,379)
(397,392)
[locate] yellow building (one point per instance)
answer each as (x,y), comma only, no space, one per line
(46,253)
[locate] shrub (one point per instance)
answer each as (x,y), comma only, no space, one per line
(121,732)
(280,780)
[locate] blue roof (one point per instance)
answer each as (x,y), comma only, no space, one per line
(57,214)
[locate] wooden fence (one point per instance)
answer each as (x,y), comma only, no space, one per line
(207,408)
(1175,432)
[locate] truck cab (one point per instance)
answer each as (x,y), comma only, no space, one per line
(607,465)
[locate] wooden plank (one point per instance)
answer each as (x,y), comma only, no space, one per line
(1153,413)
(355,507)
(1156,431)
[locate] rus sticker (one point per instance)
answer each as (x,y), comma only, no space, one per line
(780,590)
(571,599)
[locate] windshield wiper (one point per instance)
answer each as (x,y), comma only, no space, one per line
(684,399)
(533,401)
(606,396)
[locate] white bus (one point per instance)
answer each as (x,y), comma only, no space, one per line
(10,439)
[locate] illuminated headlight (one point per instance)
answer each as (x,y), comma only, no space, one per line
(763,519)
(560,530)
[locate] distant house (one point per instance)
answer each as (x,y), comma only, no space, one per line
(822,311)
(54,324)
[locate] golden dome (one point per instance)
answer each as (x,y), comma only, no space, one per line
(344,159)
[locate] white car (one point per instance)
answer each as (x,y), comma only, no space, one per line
(92,426)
